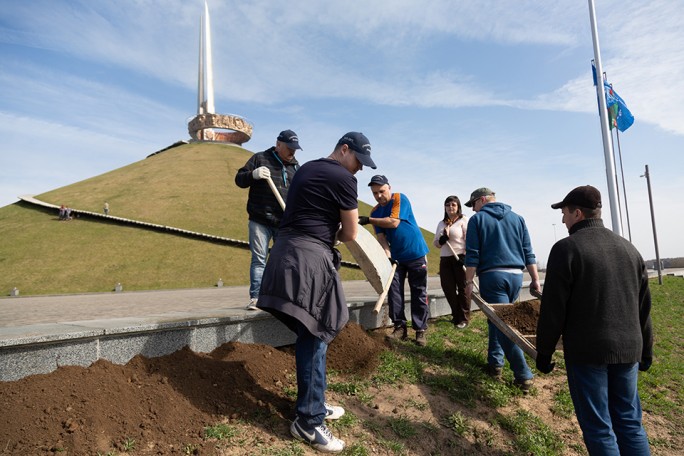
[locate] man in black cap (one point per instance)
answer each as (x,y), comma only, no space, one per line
(596,296)
(498,248)
(279,165)
(301,286)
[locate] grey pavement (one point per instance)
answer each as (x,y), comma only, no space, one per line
(51,309)
(40,333)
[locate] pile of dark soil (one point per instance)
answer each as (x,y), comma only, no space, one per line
(523,316)
(165,402)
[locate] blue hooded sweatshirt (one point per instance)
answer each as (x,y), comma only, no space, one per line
(497,237)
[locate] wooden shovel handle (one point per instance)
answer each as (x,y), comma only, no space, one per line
(276,193)
(382,296)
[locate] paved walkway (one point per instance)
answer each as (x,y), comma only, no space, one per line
(35,310)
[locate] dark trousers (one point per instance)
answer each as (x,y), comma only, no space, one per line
(452,278)
(416,270)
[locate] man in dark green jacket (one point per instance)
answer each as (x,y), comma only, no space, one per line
(596,296)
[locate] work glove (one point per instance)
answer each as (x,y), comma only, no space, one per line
(544,364)
(363,220)
(645,364)
(261,173)
(443,239)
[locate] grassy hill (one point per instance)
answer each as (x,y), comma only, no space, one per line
(190,187)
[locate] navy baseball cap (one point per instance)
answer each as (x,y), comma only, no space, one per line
(290,139)
(361,147)
(378,179)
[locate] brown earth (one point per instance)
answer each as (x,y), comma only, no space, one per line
(162,406)
(522,315)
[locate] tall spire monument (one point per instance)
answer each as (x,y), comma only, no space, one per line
(207,125)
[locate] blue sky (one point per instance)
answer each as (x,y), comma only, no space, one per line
(453,95)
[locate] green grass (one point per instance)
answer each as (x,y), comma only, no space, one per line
(531,435)
(662,387)
(220,432)
(451,364)
(190,187)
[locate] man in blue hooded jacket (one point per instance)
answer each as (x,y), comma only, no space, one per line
(498,249)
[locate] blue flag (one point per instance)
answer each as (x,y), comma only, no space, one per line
(623,118)
(618,113)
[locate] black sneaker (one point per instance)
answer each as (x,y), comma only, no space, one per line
(494,371)
(524,385)
(319,437)
(421,340)
(399,333)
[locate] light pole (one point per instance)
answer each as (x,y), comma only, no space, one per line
(655,236)
(554,232)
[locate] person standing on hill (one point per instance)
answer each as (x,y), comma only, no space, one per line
(301,286)
(596,295)
(106,208)
(450,238)
(265,213)
(398,233)
(498,248)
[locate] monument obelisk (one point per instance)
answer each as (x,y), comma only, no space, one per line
(207,125)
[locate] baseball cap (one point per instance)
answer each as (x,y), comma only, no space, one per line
(361,147)
(584,196)
(479,193)
(378,179)
(290,139)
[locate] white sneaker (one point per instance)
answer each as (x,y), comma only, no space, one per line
(334,412)
(252,304)
(319,437)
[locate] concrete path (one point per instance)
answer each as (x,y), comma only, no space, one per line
(32,310)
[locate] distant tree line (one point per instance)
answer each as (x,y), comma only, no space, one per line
(667,263)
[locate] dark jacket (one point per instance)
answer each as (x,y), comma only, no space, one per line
(262,205)
(304,286)
(596,296)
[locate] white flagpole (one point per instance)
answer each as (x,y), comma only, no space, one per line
(605,128)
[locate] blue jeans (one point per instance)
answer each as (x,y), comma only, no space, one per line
(259,238)
(503,287)
(608,408)
(311,377)
(417,279)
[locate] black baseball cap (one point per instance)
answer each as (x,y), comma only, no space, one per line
(290,139)
(361,147)
(584,196)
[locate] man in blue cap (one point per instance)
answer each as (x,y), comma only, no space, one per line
(301,286)
(279,165)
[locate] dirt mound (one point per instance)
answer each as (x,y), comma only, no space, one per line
(162,403)
(523,315)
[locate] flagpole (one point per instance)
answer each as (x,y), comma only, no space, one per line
(624,188)
(605,129)
(655,235)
